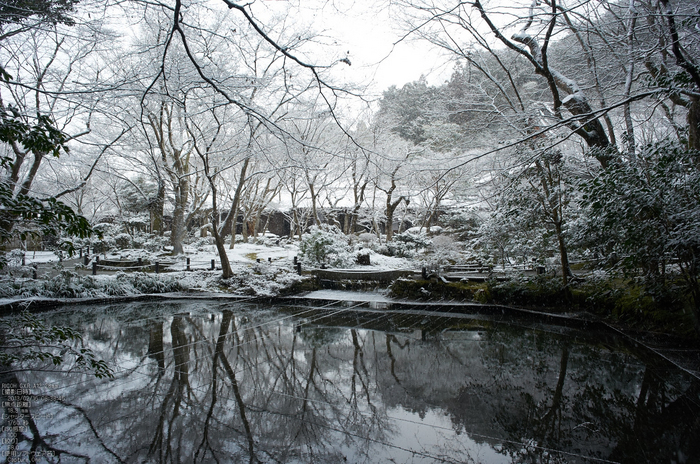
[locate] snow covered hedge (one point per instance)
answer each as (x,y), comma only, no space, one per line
(263,280)
(69,284)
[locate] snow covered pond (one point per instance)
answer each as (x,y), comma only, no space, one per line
(214,381)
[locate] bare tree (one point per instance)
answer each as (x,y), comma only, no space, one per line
(315,155)
(576,48)
(50,84)
(391,172)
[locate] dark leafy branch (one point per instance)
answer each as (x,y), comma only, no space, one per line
(28,339)
(41,137)
(21,214)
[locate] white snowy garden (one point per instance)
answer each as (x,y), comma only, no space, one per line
(313,231)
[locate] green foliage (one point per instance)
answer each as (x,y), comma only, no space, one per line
(25,216)
(659,307)
(434,290)
(408,109)
(535,200)
(41,137)
(541,290)
(48,217)
(27,339)
(637,304)
(21,214)
(647,210)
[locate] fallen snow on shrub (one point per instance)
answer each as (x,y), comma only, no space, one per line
(68,284)
(327,245)
(263,280)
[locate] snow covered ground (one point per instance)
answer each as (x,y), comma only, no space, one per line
(70,278)
(247,254)
(243,253)
(40,257)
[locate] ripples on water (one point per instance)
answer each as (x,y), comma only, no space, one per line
(214,382)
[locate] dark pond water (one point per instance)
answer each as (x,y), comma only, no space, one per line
(229,382)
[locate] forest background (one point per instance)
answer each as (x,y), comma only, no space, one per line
(564,134)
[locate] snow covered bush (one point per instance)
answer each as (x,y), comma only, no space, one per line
(122,241)
(14,258)
(465,223)
(405,245)
(363,257)
(267,239)
(445,250)
(263,280)
(149,242)
(368,239)
(142,282)
(202,242)
(103,246)
(327,245)
(13,287)
(69,284)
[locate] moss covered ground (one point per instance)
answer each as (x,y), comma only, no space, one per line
(641,306)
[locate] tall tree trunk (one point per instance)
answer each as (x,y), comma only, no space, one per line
(694,124)
(244,228)
(563,254)
(179,229)
(390,208)
(313,204)
(359,198)
(389,220)
(347,220)
(155,345)
(27,184)
(256,224)
(232,217)
(156,209)
(219,241)
(293,227)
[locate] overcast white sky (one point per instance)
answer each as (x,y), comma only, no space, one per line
(367,30)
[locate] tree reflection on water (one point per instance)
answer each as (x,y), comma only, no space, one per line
(205,382)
